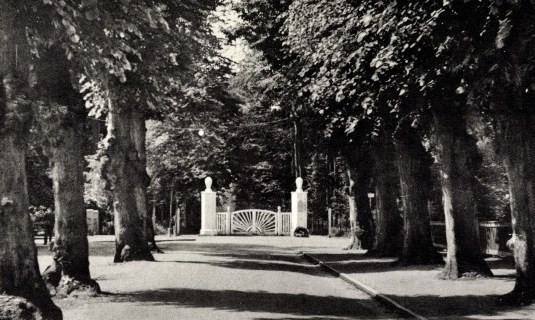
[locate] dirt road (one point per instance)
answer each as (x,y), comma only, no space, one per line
(218,278)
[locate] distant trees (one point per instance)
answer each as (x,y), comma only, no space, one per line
(194,140)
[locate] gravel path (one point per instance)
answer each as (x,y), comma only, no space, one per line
(219,278)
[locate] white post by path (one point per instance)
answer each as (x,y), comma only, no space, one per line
(299,206)
(208,210)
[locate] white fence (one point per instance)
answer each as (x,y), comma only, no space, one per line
(221,223)
(285,223)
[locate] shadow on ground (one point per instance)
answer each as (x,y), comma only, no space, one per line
(307,305)
(360,263)
(213,247)
(245,264)
(455,307)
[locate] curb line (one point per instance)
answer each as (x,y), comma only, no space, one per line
(364,288)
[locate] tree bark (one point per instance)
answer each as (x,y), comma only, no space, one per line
(414,175)
(517,135)
(151,235)
(19,269)
(71,249)
(389,224)
(515,131)
(62,121)
(457,156)
(126,173)
(297,159)
(354,230)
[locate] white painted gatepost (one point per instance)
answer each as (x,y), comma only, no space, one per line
(208,210)
(252,221)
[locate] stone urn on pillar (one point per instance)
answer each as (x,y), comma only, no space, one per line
(208,210)
(299,206)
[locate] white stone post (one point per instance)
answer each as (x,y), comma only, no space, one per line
(228,221)
(208,210)
(299,206)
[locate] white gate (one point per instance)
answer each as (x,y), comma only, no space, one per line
(254,221)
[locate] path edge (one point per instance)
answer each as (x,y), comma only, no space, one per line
(364,288)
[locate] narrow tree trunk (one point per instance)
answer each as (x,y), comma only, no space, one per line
(354,233)
(414,174)
(389,224)
(185,220)
(456,154)
(151,235)
(517,135)
(297,150)
(126,173)
(362,228)
(364,215)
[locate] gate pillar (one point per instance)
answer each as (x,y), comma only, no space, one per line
(299,206)
(208,210)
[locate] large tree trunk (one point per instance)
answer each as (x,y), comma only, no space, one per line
(517,135)
(388,222)
(62,121)
(457,156)
(126,173)
(19,270)
(515,132)
(71,252)
(414,175)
